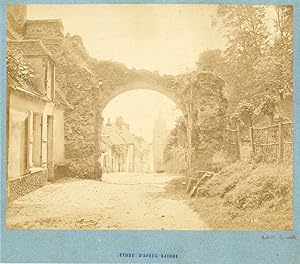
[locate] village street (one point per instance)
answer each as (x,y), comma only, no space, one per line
(122,201)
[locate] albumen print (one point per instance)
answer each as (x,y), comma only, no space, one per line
(149,117)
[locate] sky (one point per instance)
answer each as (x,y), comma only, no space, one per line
(163,38)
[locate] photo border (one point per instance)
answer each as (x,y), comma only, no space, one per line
(191,246)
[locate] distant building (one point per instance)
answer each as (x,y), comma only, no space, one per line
(159,141)
(121,150)
(115,150)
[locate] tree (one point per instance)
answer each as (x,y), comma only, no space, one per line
(274,70)
(176,139)
(283,44)
(245,29)
(211,60)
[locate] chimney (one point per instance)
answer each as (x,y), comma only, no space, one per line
(18,12)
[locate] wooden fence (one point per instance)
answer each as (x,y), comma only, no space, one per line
(273,143)
(270,144)
(287,132)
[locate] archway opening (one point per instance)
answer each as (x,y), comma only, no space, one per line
(137,128)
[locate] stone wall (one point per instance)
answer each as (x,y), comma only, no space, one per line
(44,29)
(80,88)
(209,118)
(82,131)
(25,184)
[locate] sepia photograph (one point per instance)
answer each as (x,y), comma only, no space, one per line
(149,117)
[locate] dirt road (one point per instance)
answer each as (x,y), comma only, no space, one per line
(122,201)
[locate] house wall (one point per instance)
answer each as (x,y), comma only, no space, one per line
(21,179)
(19,110)
(129,165)
(17,164)
(107,160)
(58,137)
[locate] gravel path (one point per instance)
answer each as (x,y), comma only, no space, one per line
(122,201)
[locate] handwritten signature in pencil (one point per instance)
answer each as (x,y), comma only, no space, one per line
(282,237)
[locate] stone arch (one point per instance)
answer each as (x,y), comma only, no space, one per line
(84,122)
(131,86)
(137,85)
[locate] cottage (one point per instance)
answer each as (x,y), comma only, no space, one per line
(36,120)
(116,150)
(122,150)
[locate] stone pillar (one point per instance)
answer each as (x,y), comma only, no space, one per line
(209,111)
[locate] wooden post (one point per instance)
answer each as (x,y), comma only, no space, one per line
(252,139)
(280,142)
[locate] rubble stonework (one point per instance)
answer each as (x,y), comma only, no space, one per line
(209,118)
(26,184)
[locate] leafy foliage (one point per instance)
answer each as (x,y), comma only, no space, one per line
(245,112)
(257,60)
(176,139)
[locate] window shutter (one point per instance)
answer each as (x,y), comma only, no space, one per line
(44,138)
(30,139)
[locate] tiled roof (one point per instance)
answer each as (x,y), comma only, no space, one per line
(34,92)
(24,88)
(112,136)
(30,47)
(11,34)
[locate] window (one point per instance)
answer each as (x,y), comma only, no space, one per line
(50,80)
(17,163)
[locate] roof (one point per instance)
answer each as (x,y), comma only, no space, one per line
(11,34)
(34,21)
(105,140)
(31,47)
(27,89)
(112,136)
(125,134)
